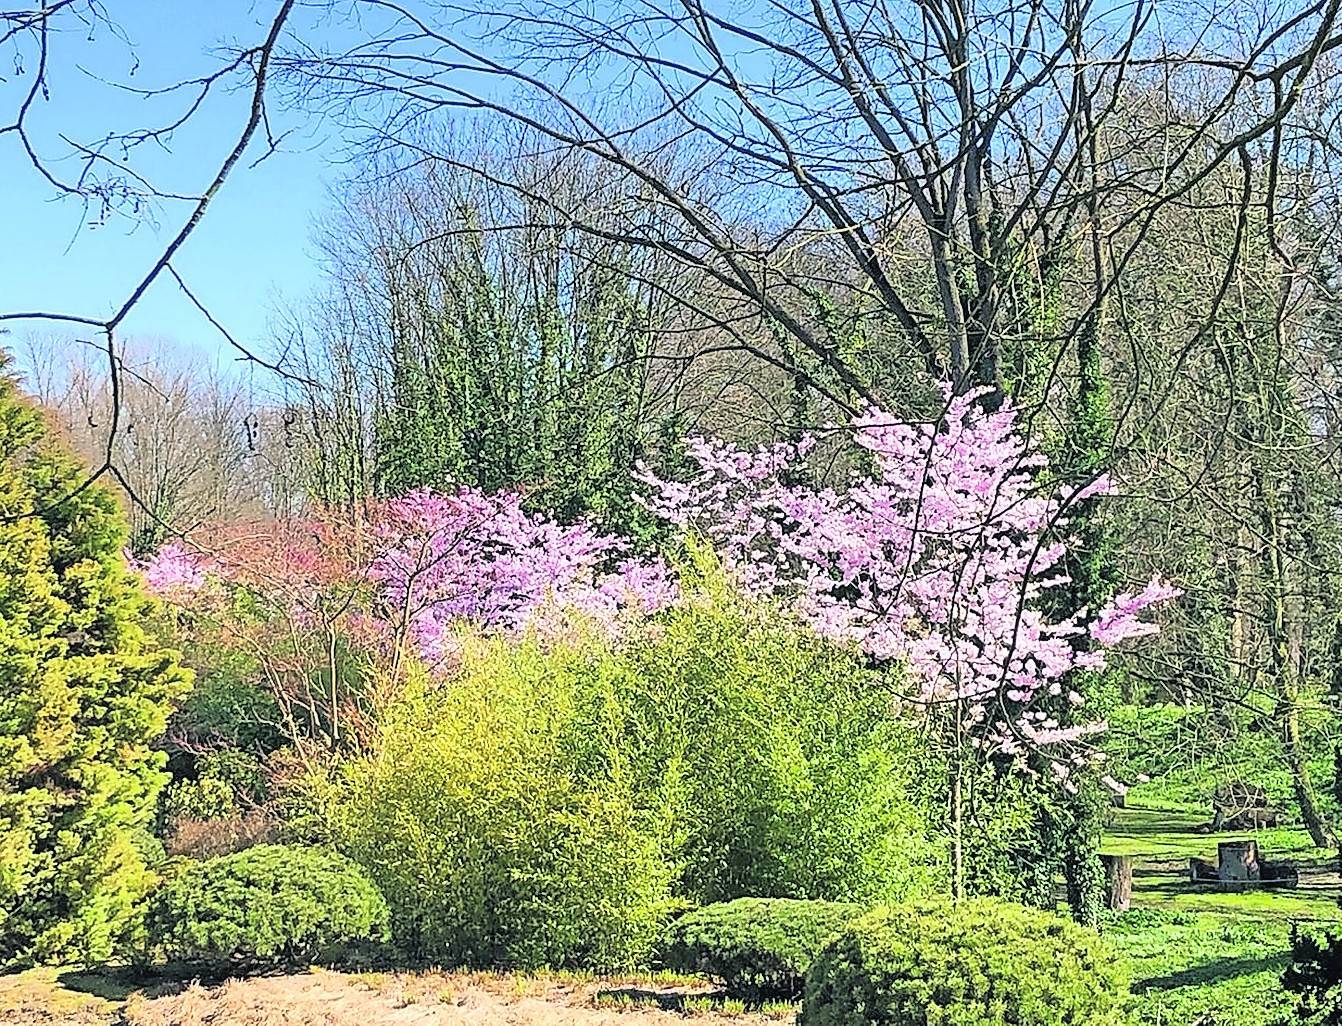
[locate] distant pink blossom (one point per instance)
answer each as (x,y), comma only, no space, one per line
(447,558)
(425,564)
(1120,619)
(172,571)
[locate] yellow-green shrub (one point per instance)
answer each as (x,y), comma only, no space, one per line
(85,689)
(798,779)
(501,820)
(980,963)
(551,803)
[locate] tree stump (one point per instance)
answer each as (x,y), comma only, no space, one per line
(1202,870)
(1237,862)
(1117,882)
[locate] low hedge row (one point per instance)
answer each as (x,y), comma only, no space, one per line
(978,963)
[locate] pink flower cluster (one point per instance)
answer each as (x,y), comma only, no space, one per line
(426,562)
(939,560)
(446,558)
(173,571)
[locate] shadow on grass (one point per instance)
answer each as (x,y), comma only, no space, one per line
(667,1000)
(1216,970)
(113,985)
(1176,826)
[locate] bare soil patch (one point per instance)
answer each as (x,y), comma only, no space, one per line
(51,998)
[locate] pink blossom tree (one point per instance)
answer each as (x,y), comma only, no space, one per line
(446,558)
(941,561)
(323,595)
(294,595)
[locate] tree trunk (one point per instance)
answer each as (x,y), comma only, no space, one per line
(1091,568)
(1117,882)
(957,836)
(1280,627)
(1320,832)
(1081,866)
(1092,562)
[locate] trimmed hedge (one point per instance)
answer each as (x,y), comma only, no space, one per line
(269,903)
(981,963)
(759,948)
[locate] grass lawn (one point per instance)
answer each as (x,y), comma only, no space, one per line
(1200,956)
(1152,833)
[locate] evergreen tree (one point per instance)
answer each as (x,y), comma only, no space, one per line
(498,389)
(84,690)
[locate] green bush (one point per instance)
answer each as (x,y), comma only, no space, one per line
(758,948)
(203,798)
(551,803)
(1315,976)
(85,689)
(981,963)
(269,903)
(230,707)
(500,819)
(799,781)
(1002,857)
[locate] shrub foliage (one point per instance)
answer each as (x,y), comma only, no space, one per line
(555,800)
(269,903)
(500,821)
(798,781)
(1315,976)
(84,692)
(759,948)
(981,963)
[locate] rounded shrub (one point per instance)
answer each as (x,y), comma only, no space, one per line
(758,948)
(269,903)
(980,963)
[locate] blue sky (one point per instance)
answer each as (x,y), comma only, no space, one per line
(253,250)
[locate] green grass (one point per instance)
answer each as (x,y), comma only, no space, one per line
(1204,967)
(1172,834)
(1201,956)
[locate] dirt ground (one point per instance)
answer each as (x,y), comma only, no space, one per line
(54,998)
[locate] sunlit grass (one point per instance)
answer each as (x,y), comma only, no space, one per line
(1172,833)
(1198,955)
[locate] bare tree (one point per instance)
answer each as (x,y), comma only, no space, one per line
(47,35)
(928,152)
(191,445)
